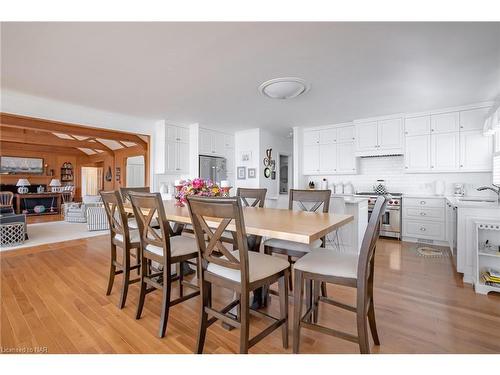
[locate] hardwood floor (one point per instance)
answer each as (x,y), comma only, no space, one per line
(53,296)
(43,218)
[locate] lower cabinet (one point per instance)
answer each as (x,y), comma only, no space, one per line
(424,219)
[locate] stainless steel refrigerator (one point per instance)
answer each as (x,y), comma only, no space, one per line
(213,168)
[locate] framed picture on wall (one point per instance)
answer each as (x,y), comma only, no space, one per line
(245,156)
(252,172)
(20,165)
(241,173)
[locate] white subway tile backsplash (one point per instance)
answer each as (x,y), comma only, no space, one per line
(391,169)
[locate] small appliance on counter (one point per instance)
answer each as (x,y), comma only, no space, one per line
(324,184)
(311,185)
(379,187)
(459,190)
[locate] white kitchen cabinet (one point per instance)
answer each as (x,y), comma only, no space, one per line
(327,136)
(419,125)
(177,150)
(417,153)
(390,134)
(444,122)
(205,142)
(211,142)
(476,151)
(345,134)
(229,141)
(218,143)
(473,119)
(346,159)
(311,137)
(445,152)
(425,230)
(311,159)
(424,219)
(328,158)
(367,136)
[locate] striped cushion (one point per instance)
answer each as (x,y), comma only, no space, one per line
(97,219)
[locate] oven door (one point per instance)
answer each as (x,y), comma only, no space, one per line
(391,220)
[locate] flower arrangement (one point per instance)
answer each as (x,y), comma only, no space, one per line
(199,187)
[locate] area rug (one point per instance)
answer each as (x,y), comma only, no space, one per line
(431,252)
(53,232)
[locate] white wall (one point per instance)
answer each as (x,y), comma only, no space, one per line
(247,141)
(391,169)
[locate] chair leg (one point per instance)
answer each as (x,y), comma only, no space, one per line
(165,302)
(309,296)
(112,270)
(126,278)
(283,292)
(180,272)
(373,325)
(202,329)
(138,259)
(297,310)
(290,283)
(315,300)
(142,293)
(245,321)
(364,345)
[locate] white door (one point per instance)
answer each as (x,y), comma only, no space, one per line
(346,161)
(476,151)
(418,153)
(171,156)
(444,122)
(473,119)
(390,134)
(418,125)
(311,137)
(345,134)
(311,159)
(205,142)
(327,136)
(183,157)
(366,136)
(444,152)
(328,158)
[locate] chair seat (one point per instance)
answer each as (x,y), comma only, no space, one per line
(134,236)
(179,245)
(290,245)
(260,266)
(329,263)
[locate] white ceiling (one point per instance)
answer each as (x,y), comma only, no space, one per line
(210,72)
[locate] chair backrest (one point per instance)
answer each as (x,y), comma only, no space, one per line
(117,217)
(225,210)
(146,207)
(367,252)
(6,198)
(125,192)
(258,196)
(316,198)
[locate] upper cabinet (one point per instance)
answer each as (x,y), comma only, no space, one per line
(444,122)
(381,137)
(448,142)
(329,151)
(212,142)
(177,150)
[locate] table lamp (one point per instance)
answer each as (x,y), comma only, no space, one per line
(55,184)
(22,183)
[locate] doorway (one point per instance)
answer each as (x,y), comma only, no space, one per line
(92,180)
(135,175)
(284,173)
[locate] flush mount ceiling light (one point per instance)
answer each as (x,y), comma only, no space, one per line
(284,88)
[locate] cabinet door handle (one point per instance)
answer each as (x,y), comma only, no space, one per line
(406,132)
(432,130)
(423,214)
(406,167)
(432,166)
(461,165)
(422,229)
(423,202)
(461,127)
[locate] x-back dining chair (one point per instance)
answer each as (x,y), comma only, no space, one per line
(315,199)
(341,268)
(6,198)
(239,270)
(161,246)
(123,237)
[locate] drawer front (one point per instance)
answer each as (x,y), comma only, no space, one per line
(424,202)
(421,229)
(420,213)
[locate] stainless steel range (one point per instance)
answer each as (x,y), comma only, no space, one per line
(390,226)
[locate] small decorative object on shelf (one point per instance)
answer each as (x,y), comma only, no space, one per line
(225,188)
(55,184)
(109,175)
(39,209)
(22,183)
(40,189)
(67,172)
(199,187)
(311,185)
(118,174)
(487,259)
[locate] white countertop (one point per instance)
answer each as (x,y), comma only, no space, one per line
(458,202)
(350,198)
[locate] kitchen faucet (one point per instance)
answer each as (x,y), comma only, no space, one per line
(495,189)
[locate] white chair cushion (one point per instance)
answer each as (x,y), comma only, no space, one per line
(179,245)
(290,245)
(134,236)
(329,262)
(260,266)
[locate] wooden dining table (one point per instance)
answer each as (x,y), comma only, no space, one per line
(298,226)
